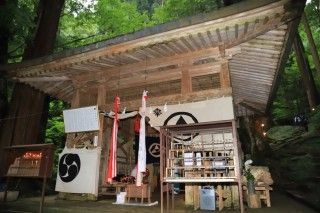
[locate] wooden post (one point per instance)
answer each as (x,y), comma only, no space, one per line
(254,201)
(44,183)
(225,76)
(102,96)
(313,47)
(307,77)
(237,163)
(101,102)
(196,197)
(161,168)
(76,99)
(186,83)
(172,197)
(75,102)
(220,194)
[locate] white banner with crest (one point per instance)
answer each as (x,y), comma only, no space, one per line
(78,171)
(218,109)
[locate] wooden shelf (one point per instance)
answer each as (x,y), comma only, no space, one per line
(201,180)
(200,167)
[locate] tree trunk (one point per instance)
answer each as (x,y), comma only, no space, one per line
(313,47)
(4,43)
(27,114)
(47,25)
(306,74)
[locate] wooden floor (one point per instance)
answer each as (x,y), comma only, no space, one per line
(280,204)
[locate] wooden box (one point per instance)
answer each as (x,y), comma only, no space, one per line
(142,192)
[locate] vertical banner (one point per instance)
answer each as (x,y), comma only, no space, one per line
(141,167)
(112,161)
(152,149)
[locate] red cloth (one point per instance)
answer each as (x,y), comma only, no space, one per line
(137,125)
(112,161)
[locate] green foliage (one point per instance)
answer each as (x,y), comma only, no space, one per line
(314,121)
(279,133)
(299,168)
(116,17)
(174,9)
(78,25)
(55,126)
(249,176)
(290,98)
(148,5)
(18,16)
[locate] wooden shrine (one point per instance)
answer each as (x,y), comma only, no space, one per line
(237,52)
(206,153)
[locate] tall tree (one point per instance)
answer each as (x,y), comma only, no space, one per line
(27,114)
(6,19)
(306,73)
(4,40)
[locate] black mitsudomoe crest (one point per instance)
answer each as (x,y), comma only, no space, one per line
(69,167)
(181,118)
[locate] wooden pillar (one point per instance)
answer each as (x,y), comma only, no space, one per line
(237,163)
(313,47)
(306,74)
(131,141)
(102,97)
(75,102)
(102,142)
(101,102)
(225,76)
(186,83)
(196,197)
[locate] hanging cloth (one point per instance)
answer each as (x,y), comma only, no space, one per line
(137,125)
(141,167)
(112,161)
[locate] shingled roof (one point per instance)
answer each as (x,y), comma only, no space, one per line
(253,38)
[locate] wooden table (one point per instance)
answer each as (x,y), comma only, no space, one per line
(264,191)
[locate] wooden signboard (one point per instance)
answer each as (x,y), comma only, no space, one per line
(29,161)
(34,160)
(81,119)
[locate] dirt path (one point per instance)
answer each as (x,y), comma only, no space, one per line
(280,204)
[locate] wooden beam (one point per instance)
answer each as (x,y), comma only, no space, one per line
(102,97)
(306,74)
(176,98)
(288,40)
(158,77)
(225,76)
(150,64)
(75,103)
(313,47)
(186,83)
(43,79)
(254,107)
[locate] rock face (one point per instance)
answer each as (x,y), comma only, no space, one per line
(261,174)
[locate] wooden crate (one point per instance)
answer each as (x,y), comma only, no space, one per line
(141,192)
